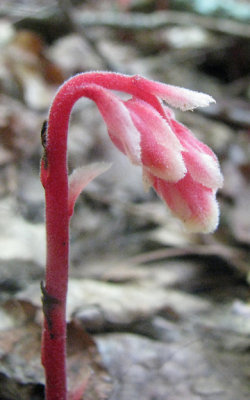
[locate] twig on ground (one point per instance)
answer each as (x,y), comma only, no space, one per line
(139,21)
(161,19)
(230,255)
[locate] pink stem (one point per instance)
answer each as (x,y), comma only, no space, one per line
(55,179)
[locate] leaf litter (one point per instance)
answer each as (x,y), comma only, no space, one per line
(153,312)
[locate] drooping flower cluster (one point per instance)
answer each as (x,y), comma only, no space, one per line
(182,170)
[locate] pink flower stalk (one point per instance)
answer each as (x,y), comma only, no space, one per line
(181,169)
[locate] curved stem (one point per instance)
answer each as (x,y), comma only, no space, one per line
(55,180)
(54,177)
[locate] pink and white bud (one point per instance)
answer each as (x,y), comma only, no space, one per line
(199,159)
(80,178)
(194,204)
(160,147)
(121,128)
(175,96)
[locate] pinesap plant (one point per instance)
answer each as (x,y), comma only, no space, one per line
(183,171)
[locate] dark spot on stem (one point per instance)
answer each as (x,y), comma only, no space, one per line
(49,303)
(44,143)
(44,134)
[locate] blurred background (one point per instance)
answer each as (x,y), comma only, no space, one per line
(166,312)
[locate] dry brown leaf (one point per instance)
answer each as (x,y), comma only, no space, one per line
(20,346)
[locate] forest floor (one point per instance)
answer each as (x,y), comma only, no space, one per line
(154,312)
